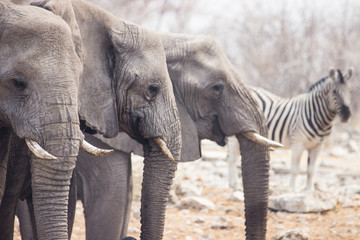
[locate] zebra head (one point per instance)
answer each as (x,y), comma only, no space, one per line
(340,93)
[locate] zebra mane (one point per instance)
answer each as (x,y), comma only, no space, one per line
(320,84)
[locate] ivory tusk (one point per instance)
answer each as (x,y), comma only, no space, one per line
(255,137)
(98,152)
(38,151)
(164,149)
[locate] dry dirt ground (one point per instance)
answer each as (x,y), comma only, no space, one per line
(341,223)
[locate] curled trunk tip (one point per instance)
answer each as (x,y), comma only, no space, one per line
(98,152)
(38,151)
(164,149)
(257,138)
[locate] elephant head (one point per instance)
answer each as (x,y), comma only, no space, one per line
(217,104)
(126,87)
(39,80)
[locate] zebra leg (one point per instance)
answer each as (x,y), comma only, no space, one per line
(296,152)
(312,166)
(233,154)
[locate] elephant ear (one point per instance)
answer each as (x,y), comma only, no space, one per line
(96,93)
(2,7)
(4,143)
(190,149)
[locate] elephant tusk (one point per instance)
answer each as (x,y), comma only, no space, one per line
(38,151)
(164,149)
(98,152)
(255,137)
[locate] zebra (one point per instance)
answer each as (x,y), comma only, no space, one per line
(300,123)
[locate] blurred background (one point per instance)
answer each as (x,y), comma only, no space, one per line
(283,46)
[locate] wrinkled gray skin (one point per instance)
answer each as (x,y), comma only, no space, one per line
(213,103)
(126,87)
(104,187)
(39,80)
(212,98)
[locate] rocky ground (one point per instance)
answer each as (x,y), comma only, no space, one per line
(203,207)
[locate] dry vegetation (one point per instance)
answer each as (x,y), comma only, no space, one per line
(281,46)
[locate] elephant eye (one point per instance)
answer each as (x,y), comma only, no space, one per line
(152,91)
(19,84)
(218,89)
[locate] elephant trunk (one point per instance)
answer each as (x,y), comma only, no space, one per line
(51,178)
(255,175)
(159,172)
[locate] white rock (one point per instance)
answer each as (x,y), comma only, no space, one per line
(206,237)
(302,202)
(350,191)
(213,155)
(350,203)
(173,198)
(187,188)
(295,234)
(198,231)
(327,182)
(185,212)
(321,185)
(220,223)
(133,230)
(279,165)
(278,188)
(339,151)
(352,146)
(327,164)
(136,213)
(237,196)
(343,136)
(196,203)
(199,220)
(221,164)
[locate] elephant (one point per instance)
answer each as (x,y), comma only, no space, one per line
(216,103)
(39,81)
(125,87)
(213,103)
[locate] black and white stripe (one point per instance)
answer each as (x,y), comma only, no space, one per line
(305,121)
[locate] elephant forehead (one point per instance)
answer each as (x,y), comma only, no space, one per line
(35,21)
(204,66)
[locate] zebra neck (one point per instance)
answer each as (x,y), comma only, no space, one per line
(322,111)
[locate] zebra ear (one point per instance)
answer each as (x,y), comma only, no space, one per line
(332,73)
(349,73)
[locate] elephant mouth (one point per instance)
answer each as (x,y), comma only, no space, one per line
(136,132)
(219,135)
(86,129)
